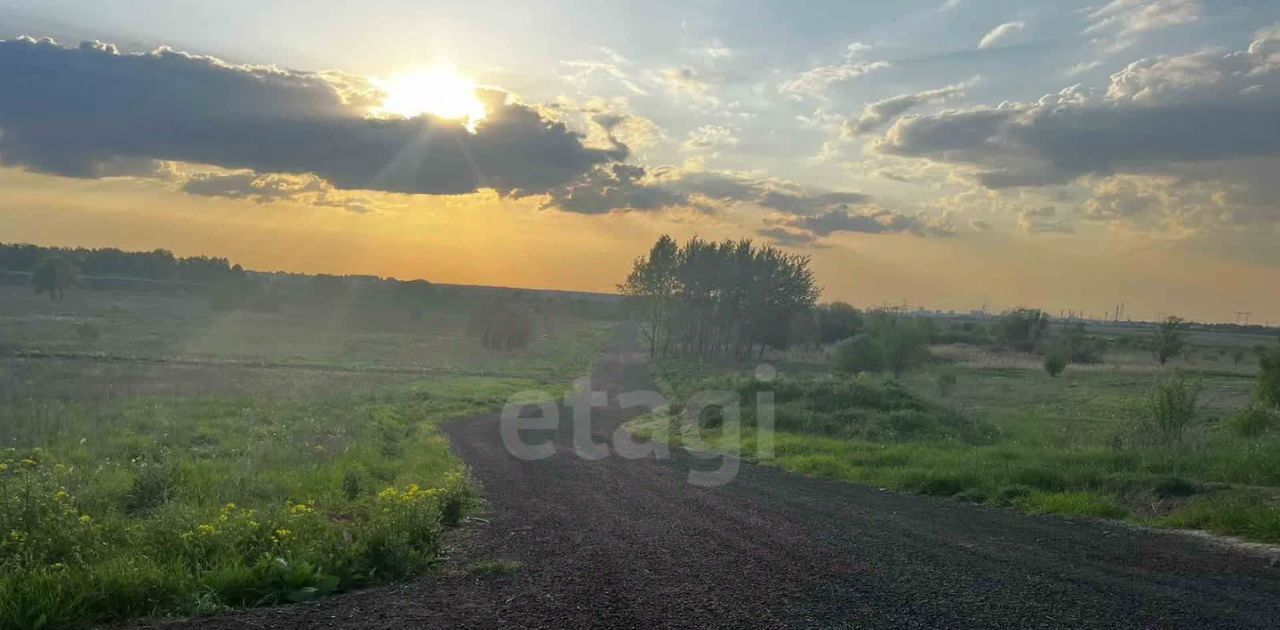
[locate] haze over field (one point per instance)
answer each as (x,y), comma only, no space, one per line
(1067,155)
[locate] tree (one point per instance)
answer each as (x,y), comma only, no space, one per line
(1023,328)
(718,299)
(652,285)
(837,321)
(54,275)
(1168,338)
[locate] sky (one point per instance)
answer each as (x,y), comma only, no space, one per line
(943,153)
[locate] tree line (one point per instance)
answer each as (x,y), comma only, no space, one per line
(731,298)
(159,264)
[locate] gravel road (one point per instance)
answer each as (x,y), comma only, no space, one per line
(630,543)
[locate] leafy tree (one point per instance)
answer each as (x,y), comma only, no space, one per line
(837,321)
(718,299)
(1022,329)
(652,283)
(1168,339)
(54,275)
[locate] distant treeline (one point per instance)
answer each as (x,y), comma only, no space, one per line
(158,264)
(719,299)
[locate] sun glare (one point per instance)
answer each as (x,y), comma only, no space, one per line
(437,90)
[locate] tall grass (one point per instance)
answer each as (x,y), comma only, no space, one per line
(1100,446)
(115,504)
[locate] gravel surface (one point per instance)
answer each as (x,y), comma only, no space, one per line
(630,543)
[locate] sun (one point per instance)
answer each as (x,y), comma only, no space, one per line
(437,90)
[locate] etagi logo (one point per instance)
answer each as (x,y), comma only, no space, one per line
(533,426)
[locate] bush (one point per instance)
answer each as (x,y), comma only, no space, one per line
(1173,405)
(1268,391)
(1055,362)
(904,341)
(1081,348)
(859,354)
(1253,420)
(1022,329)
(946,383)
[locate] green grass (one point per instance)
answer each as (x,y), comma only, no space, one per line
(133,489)
(1078,445)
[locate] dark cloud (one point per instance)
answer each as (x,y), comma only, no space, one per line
(65,111)
(794,229)
(780,196)
(625,187)
(618,187)
(1157,113)
(270,188)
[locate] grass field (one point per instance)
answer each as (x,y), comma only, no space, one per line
(181,461)
(1006,433)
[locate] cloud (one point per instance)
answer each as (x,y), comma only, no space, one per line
(1083,67)
(271,188)
(795,229)
(65,110)
(687,83)
(950,5)
(1126,18)
(813,83)
(710,139)
(880,113)
(630,188)
(613,66)
(1158,114)
(777,195)
(615,188)
(1042,220)
(1002,32)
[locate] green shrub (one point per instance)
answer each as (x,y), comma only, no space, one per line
(351,487)
(1252,421)
(1173,404)
(857,354)
(946,383)
(1055,362)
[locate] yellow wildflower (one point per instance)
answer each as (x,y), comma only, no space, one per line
(86,519)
